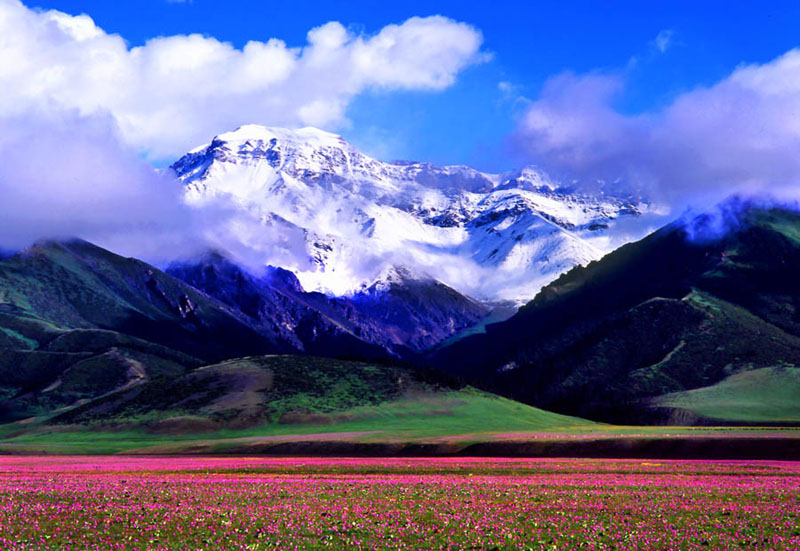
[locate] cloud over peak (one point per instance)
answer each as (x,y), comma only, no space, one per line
(174,92)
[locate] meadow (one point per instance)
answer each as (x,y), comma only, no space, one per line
(395,503)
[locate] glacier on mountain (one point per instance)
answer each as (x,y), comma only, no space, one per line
(310,202)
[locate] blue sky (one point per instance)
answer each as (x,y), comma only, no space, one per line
(529,42)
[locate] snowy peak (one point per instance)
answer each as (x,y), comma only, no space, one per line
(308,136)
(307,149)
(529,178)
(304,149)
(254,136)
(395,276)
(308,201)
(313,153)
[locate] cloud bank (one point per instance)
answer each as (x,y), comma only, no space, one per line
(65,175)
(174,92)
(741,135)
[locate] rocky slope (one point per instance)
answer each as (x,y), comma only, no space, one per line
(399,317)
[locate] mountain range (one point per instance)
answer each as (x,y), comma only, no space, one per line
(95,340)
(692,324)
(311,203)
(400,316)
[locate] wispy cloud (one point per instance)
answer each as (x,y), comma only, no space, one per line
(664,40)
(81,112)
(65,175)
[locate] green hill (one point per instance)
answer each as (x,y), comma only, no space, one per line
(767,395)
(77,321)
(58,286)
(94,347)
(257,398)
(301,390)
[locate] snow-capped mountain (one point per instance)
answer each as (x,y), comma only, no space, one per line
(310,202)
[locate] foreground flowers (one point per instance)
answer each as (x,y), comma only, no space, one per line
(302,503)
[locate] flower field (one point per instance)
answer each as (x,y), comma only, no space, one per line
(465,503)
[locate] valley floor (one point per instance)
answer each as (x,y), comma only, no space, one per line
(361,439)
(396,503)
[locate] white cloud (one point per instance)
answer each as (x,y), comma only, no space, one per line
(739,135)
(175,92)
(65,175)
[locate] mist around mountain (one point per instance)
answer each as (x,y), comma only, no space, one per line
(695,324)
(309,202)
(397,317)
(78,322)
(92,342)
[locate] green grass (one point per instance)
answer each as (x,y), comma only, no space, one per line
(254,388)
(455,413)
(720,339)
(466,413)
(781,222)
(280,396)
(465,416)
(767,395)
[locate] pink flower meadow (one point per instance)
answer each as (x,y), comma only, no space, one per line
(313,503)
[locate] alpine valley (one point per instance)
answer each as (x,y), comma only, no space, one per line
(399,276)
(348,291)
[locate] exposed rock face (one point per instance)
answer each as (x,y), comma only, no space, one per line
(400,315)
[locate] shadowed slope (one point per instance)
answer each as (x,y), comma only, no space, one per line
(663,315)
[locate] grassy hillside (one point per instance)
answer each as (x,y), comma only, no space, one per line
(281,396)
(107,352)
(290,404)
(767,395)
(78,322)
(73,366)
(297,390)
(58,286)
(465,415)
(250,391)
